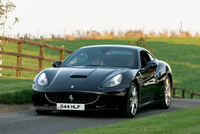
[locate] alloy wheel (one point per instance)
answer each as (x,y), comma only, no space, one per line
(167,92)
(133,100)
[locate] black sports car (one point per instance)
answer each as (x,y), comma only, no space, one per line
(104,77)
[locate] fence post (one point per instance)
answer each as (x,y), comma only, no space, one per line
(168,32)
(19,58)
(0,61)
(90,32)
(143,33)
(189,31)
(174,91)
(192,94)
(183,93)
(119,33)
(41,53)
(61,54)
(37,34)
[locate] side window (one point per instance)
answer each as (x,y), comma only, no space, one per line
(144,57)
(151,57)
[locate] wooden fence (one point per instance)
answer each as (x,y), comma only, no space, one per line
(192,93)
(41,57)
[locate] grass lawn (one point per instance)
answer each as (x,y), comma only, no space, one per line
(182,54)
(177,122)
(183,57)
(14,84)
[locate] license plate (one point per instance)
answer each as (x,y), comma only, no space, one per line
(70,106)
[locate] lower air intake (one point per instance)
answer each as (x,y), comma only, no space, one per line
(82,98)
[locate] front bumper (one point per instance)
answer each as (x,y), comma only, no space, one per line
(113,100)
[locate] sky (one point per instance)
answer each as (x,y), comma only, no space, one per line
(53,16)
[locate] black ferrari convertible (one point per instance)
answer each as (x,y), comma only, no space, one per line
(104,77)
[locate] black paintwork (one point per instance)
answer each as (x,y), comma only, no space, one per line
(90,80)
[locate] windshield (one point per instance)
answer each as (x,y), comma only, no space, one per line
(102,56)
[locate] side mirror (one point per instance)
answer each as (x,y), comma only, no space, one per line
(151,64)
(56,63)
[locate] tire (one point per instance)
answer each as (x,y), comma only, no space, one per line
(131,105)
(41,112)
(166,99)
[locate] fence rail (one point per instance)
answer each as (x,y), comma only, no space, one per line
(192,93)
(35,44)
(41,57)
(27,56)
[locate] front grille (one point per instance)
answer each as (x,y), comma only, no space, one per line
(82,98)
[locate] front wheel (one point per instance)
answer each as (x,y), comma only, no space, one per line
(131,102)
(166,100)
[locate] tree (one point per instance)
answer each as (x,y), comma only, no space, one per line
(5,9)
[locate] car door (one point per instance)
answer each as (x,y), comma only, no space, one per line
(148,79)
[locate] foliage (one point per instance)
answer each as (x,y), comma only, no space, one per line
(27,36)
(5,9)
(152,50)
(78,34)
(142,43)
(52,36)
(41,38)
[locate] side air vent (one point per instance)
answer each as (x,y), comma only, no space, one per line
(78,76)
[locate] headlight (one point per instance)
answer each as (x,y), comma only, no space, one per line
(114,81)
(42,80)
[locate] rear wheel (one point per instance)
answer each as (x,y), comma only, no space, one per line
(166,100)
(131,102)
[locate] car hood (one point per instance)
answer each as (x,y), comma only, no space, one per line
(87,78)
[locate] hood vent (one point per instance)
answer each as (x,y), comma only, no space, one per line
(78,76)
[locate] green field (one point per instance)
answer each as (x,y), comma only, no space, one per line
(14,84)
(182,54)
(177,122)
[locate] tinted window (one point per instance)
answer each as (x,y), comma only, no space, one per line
(144,57)
(102,56)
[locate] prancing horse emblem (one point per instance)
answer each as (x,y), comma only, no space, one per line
(71,98)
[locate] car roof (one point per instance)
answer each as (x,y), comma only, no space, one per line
(116,46)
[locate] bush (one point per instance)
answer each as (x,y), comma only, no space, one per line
(143,43)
